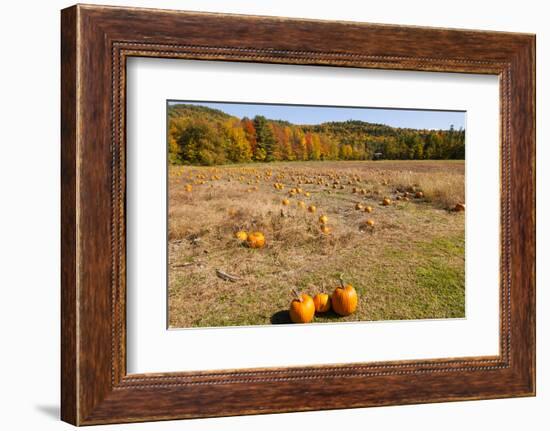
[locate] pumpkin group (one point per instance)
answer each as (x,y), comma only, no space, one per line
(302,309)
(344,299)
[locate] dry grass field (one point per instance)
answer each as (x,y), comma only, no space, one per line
(410,265)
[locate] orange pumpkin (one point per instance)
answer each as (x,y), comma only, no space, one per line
(241,235)
(302,309)
(367,224)
(312,208)
(322,302)
(419,195)
(255,240)
(386,201)
(285,202)
(323,219)
(188,188)
(325,229)
(460,207)
(358,206)
(368,209)
(344,299)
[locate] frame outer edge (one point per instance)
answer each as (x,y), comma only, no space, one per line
(533,54)
(523,216)
(532,82)
(69,212)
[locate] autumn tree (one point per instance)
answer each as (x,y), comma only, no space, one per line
(238,149)
(199,143)
(250,133)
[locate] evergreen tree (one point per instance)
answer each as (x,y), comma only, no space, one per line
(265,139)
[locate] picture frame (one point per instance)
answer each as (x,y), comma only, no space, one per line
(96,42)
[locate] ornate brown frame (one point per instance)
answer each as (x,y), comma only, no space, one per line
(95,42)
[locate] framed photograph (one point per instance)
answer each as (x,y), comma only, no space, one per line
(325,214)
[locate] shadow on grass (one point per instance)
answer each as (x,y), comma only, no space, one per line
(283,318)
(329,316)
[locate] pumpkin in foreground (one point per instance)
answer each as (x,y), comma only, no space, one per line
(321,302)
(255,240)
(302,309)
(344,299)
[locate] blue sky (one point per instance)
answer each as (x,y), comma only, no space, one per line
(299,114)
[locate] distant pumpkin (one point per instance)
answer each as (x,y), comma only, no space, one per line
(323,219)
(241,235)
(312,208)
(325,229)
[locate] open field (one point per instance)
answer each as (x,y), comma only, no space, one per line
(409,266)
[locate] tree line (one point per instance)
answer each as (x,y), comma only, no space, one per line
(203,136)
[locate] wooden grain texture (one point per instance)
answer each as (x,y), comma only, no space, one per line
(69,397)
(96,41)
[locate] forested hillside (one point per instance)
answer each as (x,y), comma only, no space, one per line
(203,136)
